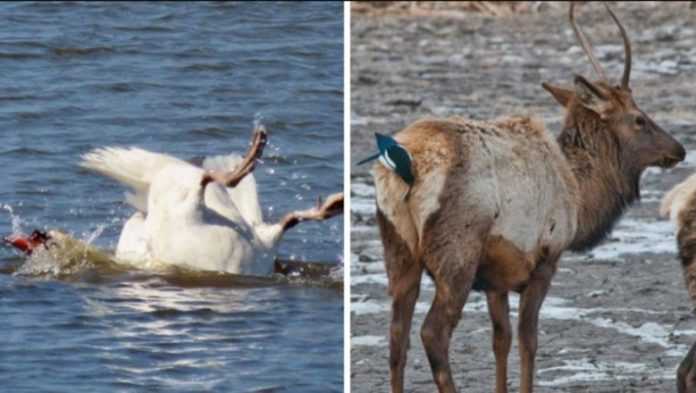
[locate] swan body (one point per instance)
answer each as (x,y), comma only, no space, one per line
(183,222)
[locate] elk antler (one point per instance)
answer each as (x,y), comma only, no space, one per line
(627,49)
(232,178)
(331,207)
(585,44)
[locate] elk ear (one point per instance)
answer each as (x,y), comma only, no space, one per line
(591,97)
(561,95)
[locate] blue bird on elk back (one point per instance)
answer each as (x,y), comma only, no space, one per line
(394,157)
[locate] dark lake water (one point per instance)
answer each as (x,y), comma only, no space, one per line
(187,79)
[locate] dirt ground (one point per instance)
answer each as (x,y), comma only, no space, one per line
(617,318)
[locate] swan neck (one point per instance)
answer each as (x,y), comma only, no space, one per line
(269,234)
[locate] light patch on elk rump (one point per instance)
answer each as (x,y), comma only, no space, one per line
(431,162)
(389,195)
(427,199)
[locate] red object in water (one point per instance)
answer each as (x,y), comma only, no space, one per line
(27,243)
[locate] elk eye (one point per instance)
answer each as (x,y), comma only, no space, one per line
(640,121)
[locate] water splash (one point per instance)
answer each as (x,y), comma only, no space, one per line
(94,235)
(258,120)
(336,272)
(15,219)
(258,123)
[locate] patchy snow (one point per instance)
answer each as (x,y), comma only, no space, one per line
(374,278)
(584,369)
(636,237)
(368,307)
(559,308)
(362,190)
(363,206)
(371,341)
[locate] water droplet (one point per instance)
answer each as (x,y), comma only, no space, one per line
(15,220)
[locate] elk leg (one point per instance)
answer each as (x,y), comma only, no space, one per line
(499,311)
(453,282)
(404,272)
(530,304)
(686,373)
(436,333)
(404,293)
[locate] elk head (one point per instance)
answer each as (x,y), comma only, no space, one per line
(611,108)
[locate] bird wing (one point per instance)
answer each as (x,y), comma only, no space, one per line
(133,167)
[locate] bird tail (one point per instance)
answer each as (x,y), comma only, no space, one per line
(368,159)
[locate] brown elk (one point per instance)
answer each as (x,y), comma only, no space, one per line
(680,205)
(495,203)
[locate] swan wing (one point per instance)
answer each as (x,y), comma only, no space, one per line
(131,166)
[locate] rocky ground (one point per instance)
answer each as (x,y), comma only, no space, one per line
(617,318)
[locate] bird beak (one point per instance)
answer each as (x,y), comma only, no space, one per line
(27,243)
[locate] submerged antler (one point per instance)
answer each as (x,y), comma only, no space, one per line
(232,178)
(331,207)
(585,44)
(625,78)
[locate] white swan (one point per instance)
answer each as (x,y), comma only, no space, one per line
(203,218)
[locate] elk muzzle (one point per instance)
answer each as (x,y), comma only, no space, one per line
(672,151)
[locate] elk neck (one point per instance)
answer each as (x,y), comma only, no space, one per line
(607,176)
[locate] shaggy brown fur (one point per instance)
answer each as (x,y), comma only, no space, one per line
(611,175)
